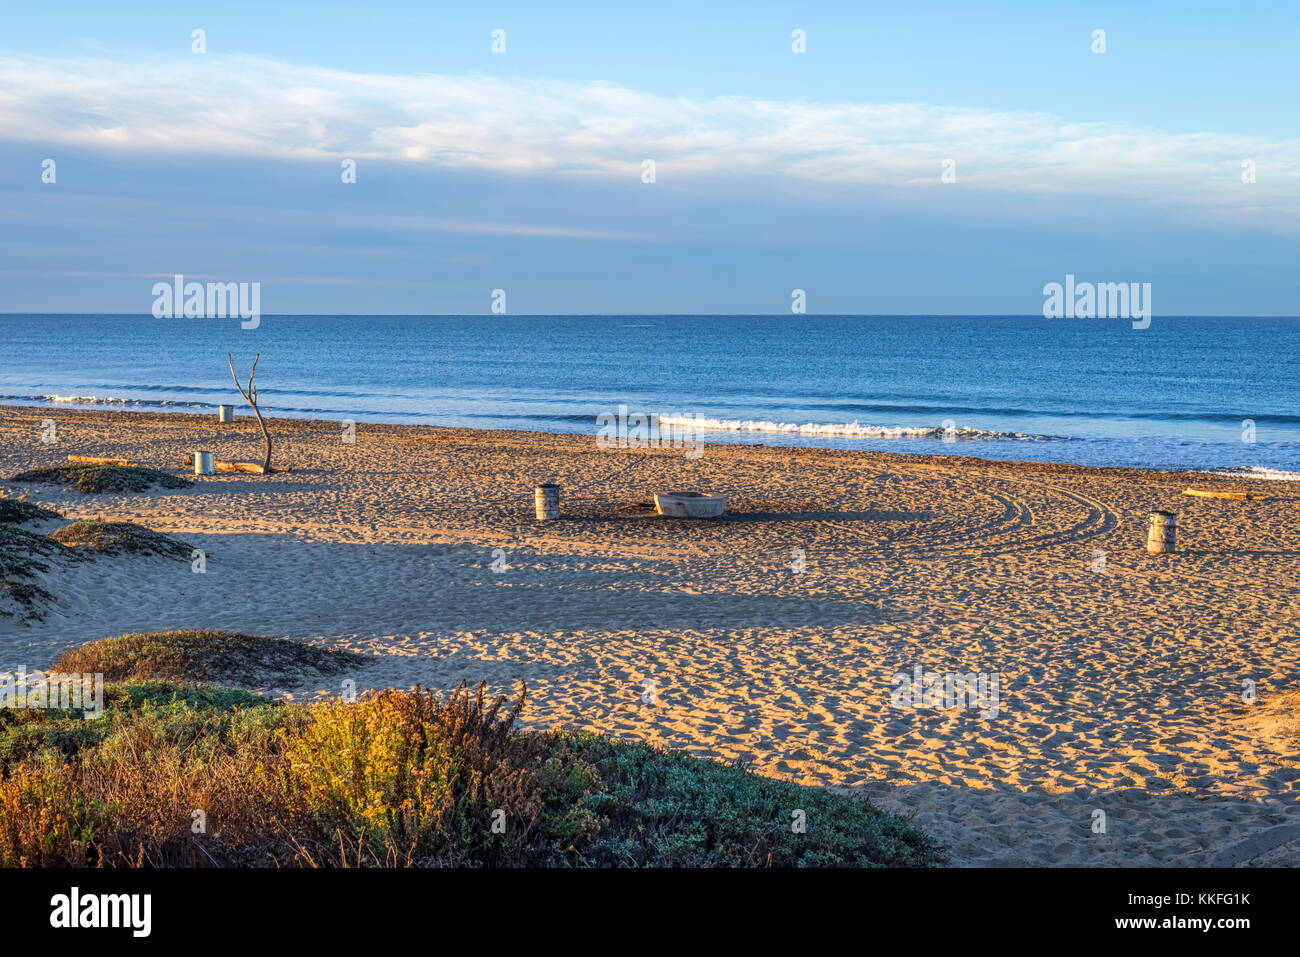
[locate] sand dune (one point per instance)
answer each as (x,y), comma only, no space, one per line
(1119,687)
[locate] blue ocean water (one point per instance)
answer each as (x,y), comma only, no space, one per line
(1188,392)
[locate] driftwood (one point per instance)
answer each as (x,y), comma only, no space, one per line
(253,467)
(93,460)
(1237,496)
(240,467)
(251,398)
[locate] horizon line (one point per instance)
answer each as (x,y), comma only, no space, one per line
(646,315)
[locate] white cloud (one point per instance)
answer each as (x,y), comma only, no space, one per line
(238,105)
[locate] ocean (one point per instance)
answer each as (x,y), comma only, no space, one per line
(1187,392)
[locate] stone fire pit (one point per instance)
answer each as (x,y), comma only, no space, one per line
(690,505)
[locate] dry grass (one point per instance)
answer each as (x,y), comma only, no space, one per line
(119,538)
(91,479)
(183,776)
(222,657)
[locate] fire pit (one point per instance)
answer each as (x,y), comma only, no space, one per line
(690,505)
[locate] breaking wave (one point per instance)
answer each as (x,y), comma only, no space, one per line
(845,429)
(106,400)
(1256,472)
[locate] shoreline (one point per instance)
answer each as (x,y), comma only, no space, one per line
(295,423)
(811,435)
(771,637)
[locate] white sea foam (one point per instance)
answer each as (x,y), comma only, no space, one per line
(82,399)
(102,400)
(847,429)
(1256,472)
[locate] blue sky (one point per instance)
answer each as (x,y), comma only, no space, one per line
(774,170)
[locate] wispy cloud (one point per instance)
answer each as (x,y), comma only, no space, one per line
(225,105)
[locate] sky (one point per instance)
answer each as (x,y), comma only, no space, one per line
(915,158)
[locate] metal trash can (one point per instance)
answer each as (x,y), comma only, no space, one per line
(1163,533)
(547,499)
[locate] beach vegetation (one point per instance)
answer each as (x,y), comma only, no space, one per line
(92,479)
(23,554)
(28,596)
(180,773)
(202,656)
(16,512)
(118,538)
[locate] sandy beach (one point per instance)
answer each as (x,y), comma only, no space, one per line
(769,637)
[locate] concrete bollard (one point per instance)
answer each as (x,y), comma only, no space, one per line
(203,463)
(225,413)
(1163,532)
(547,498)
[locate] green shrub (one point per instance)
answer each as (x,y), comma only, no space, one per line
(14,512)
(398,778)
(22,555)
(671,809)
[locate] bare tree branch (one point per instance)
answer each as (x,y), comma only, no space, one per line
(251,398)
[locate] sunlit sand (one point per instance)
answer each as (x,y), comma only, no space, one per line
(769,637)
